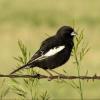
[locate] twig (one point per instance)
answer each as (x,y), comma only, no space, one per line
(39,76)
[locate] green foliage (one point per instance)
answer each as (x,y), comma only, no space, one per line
(80,49)
(26,88)
(25,54)
(44,96)
(3,90)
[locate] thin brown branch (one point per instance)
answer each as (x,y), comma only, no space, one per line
(94,77)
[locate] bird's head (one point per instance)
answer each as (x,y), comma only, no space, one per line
(66,32)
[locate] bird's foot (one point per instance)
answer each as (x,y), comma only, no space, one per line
(50,77)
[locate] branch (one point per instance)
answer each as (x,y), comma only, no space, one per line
(39,76)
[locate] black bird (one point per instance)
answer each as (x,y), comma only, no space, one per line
(53,52)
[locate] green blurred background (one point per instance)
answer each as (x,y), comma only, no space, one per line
(29,20)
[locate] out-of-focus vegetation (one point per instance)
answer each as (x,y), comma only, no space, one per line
(29,20)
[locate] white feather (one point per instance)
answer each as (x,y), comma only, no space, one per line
(51,52)
(54,51)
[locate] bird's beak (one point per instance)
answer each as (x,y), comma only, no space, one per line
(73,33)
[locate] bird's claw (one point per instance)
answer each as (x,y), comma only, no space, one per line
(50,78)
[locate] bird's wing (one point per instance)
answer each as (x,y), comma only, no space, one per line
(48,48)
(50,52)
(40,56)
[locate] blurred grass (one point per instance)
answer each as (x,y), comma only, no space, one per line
(29,20)
(50,13)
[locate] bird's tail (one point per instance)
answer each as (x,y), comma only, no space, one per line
(19,69)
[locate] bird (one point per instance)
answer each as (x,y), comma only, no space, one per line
(54,51)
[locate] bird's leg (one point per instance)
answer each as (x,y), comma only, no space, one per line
(49,73)
(49,77)
(56,72)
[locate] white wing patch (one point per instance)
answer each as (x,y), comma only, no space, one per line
(53,51)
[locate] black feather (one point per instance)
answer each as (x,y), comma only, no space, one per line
(63,37)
